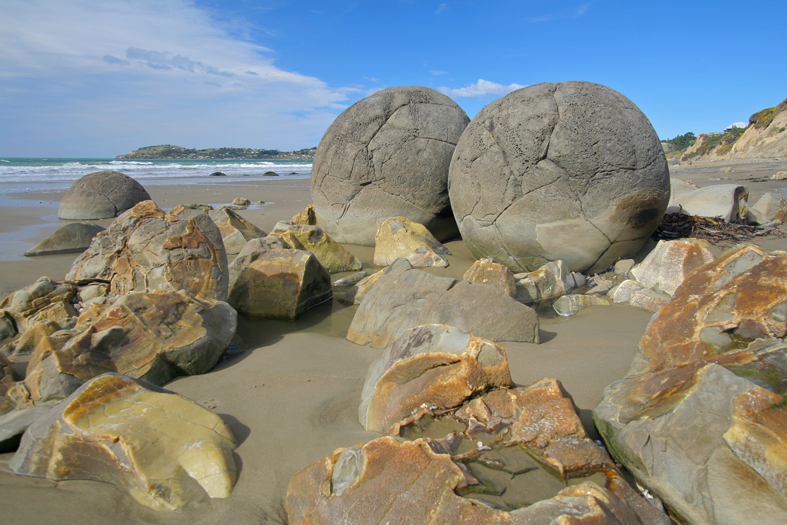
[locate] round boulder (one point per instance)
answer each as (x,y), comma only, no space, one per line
(568,171)
(101,195)
(387,156)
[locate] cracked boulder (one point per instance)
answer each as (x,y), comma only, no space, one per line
(332,255)
(700,418)
(146,249)
(404,297)
(568,171)
(489,272)
(727,201)
(44,300)
(665,268)
(387,156)
(400,237)
(162,448)
(101,195)
(437,366)
(281,284)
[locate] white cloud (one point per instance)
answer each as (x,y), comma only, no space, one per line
(161,64)
(480,89)
(441,8)
(437,73)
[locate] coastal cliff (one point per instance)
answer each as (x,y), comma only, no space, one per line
(168,151)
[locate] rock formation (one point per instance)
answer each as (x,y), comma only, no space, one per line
(235,230)
(332,255)
(387,156)
(71,238)
(101,195)
(400,237)
(570,171)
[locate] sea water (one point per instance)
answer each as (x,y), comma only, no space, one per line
(36,174)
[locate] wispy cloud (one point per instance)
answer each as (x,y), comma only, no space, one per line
(441,9)
(566,13)
(480,89)
(437,73)
(149,64)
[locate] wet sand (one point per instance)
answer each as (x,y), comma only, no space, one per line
(290,392)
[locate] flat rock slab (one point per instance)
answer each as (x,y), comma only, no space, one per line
(404,297)
(665,268)
(71,238)
(101,195)
(164,449)
(400,237)
(332,255)
(385,156)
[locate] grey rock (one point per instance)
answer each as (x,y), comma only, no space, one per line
(727,201)
(101,195)
(387,156)
(571,171)
(404,297)
(253,250)
(71,238)
(571,304)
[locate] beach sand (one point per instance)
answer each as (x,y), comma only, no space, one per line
(290,393)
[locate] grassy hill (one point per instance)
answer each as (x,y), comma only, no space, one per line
(168,151)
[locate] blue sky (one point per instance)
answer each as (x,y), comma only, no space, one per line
(97,78)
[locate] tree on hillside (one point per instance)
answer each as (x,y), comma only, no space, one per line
(682,141)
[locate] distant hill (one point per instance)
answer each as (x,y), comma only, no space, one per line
(167,151)
(764,137)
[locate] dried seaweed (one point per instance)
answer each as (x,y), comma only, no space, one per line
(714,230)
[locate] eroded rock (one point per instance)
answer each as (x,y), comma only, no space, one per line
(71,238)
(400,237)
(332,255)
(727,201)
(101,195)
(164,449)
(437,366)
(281,284)
(235,230)
(548,282)
(697,382)
(665,268)
(487,271)
(145,249)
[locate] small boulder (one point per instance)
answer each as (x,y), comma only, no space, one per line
(405,297)
(241,202)
(101,195)
(359,290)
(332,255)
(665,268)
(71,238)
(771,207)
(438,366)
(235,230)
(217,174)
(151,442)
(489,272)
(281,284)
(648,299)
(400,237)
(146,249)
(253,250)
(306,216)
(571,304)
(548,282)
(43,300)
(727,201)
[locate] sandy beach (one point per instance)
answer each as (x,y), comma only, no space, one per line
(290,390)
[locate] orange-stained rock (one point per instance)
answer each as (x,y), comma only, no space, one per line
(488,271)
(152,336)
(699,419)
(235,230)
(385,482)
(332,255)
(400,237)
(145,249)
(665,268)
(151,442)
(359,290)
(43,300)
(550,281)
(28,341)
(437,366)
(306,216)
(281,284)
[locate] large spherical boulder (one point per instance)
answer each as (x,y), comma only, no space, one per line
(387,156)
(568,171)
(101,195)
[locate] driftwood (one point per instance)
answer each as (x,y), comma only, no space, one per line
(714,230)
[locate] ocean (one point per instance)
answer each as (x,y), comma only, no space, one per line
(35,174)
